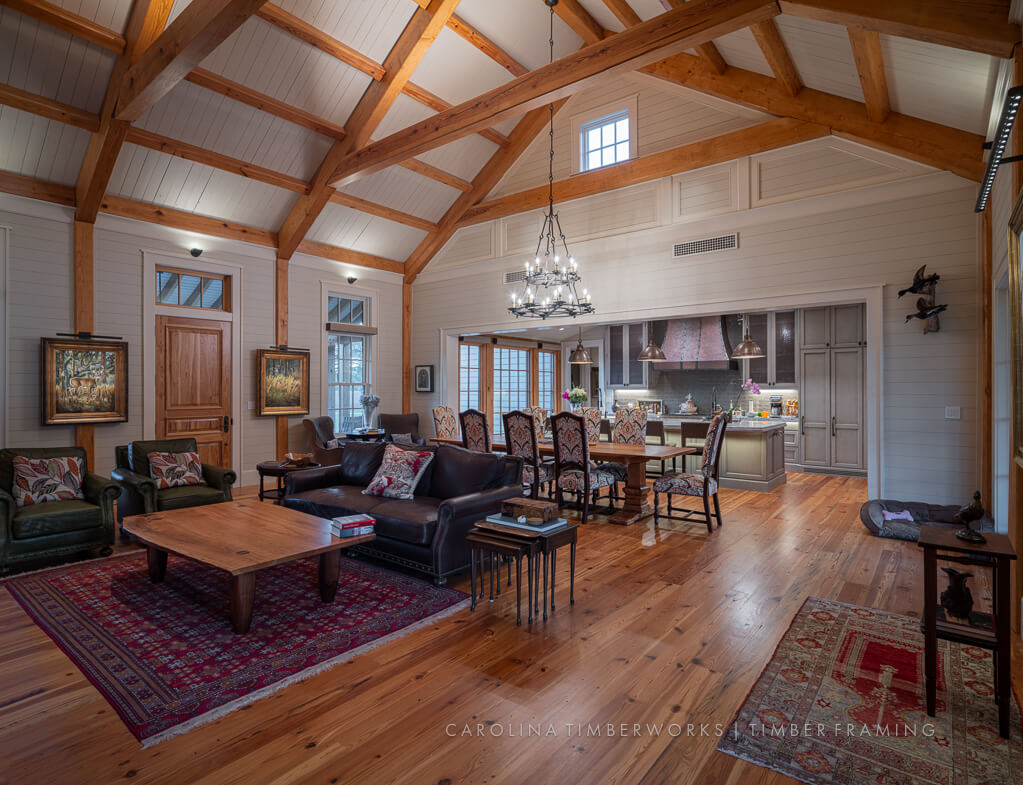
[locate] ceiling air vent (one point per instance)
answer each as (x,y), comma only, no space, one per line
(515,276)
(725,242)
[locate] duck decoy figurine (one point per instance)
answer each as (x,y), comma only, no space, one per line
(920,281)
(967,514)
(957,599)
(924,310)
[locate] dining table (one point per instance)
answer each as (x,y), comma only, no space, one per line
(637,505)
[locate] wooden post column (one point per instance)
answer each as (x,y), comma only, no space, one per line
(281,337)
(1015,471)
(85,435)
(987,357)
(406,347)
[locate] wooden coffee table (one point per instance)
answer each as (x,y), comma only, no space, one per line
(241,538)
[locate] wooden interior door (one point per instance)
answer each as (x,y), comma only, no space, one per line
(815,407)
(193,384)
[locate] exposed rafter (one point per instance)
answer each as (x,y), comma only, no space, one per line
(435,173)
(47,107)
(349,256)
(707,51)
(382,211)
(769,40)
(737,144)
(32,188)
(486,45)
(69,22)
(407,52)
(866,46)
(669,33)
(623,12)
(438,104)
(580,20)
(919,140)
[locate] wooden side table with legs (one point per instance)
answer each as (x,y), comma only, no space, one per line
(483,544)
(941,544)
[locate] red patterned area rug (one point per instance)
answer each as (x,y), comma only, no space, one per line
(164,655)
(842,702)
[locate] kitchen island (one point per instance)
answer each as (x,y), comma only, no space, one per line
(753,455)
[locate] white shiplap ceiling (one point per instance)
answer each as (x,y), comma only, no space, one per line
(937,83)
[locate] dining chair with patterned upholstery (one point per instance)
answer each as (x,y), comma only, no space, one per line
(592,415)
(521,441)
(445,422)
(655,430)
(475,430)
(629,428)
(539,415)
(703,484)
(572,469)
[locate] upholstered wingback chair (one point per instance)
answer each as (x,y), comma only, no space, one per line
(703,484)
(397,424)
(139,491)
(445,423)
(320,433)
(53,528)
(573,471)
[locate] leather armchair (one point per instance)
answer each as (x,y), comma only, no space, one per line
(59,528)
(138,491)
(319,431)
(401,423)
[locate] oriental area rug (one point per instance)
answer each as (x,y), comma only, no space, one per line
(842,702)
(164,655)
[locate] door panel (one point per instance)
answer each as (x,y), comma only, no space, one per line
(815,407)
(847,325)
(847,408)
(816,328)
(193,384)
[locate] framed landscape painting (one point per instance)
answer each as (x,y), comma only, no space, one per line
(84,381)
(283,379)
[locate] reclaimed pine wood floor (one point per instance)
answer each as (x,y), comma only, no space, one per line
(670,625)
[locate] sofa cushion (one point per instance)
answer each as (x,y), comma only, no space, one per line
(188,496)
(360,462)
(459,471)
(399,472)
(38,480)
(333,501)
(413,521)
(174,469)
(39,520)
(138,452)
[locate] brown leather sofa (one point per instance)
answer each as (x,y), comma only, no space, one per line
(427,532)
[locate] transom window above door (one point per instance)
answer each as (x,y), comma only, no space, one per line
(192,289)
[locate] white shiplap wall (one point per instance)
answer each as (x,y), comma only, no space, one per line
(822,244)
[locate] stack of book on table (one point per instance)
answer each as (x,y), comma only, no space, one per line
(509,524)
(352,525)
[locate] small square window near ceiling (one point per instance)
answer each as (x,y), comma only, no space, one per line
(604,141)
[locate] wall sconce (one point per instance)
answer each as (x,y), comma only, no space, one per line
(352,279)
(196,252)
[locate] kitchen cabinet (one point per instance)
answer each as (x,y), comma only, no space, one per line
(775,333)
(624,344)
(833,326)
(753,459)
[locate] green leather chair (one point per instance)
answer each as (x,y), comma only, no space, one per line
(47,529)
(139,493)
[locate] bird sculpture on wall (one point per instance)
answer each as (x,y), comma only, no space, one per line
(967,514)
(925,310)
(920,281)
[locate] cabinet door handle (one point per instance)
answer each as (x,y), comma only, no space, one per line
(802,425)
(833,426)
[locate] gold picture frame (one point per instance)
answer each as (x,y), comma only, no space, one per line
(1016,316)
(83,381)
(282,379)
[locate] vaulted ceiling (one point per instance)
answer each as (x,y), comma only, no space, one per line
(369,132)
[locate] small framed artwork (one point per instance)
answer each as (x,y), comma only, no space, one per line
(83,381)
(424,378)
(283,380)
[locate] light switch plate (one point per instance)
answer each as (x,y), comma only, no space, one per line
(951,412)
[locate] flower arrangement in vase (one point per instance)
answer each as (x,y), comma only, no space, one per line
(576,397)
(751,386)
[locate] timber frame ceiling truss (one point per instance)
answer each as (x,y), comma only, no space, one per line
(152,57)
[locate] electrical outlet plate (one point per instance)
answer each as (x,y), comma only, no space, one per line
(952,412)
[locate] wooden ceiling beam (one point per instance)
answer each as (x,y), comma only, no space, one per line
(978,25)
(662,36)
(382,211)
(348,256)
(919,140)
(69,22)
(727,147)
(406,54)
(866,46)
(47,107)
(707,51)
(225,163)
(580,20)
(196,32)
(769,40)
(33,188)
(486,45)
(435,173)
(623,12)
(438,104)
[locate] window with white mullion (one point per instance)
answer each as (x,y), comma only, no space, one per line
(604,141)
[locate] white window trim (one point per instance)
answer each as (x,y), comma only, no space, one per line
(339,288)
(629,104)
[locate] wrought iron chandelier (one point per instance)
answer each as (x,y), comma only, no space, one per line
(550,284)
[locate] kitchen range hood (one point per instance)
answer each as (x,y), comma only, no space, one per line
(695,344)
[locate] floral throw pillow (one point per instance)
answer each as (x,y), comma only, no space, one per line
(38,480)
(399,473)
(171,469)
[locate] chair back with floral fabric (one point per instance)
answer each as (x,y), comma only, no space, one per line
(445,423)
(539,415)
(571,448)
(629,427)
(520,437)
(475,431)
(712,446)
(592,415)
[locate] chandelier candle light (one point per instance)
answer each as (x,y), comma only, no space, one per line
(549,288)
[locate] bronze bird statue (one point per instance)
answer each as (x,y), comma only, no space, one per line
(967,514)
(920,281)
(957,599)
(924,310)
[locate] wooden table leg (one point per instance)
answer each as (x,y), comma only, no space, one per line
(554,567)
(329,573)
(261,486)
(472,570)
(930,628)
(518,589)
(536,583)
(1003,664)
(635,507)
(529,580)
(545,560)
(571,579)
(491,558)
(157,560)
(243,591)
